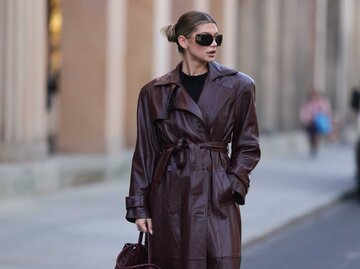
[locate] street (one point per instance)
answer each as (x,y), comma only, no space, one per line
(84,227)
(327,239)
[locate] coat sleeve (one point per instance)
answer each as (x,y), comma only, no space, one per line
(245,150)
(143,162)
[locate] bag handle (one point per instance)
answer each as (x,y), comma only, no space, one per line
(148,245)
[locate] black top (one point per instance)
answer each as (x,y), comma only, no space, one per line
(193,84)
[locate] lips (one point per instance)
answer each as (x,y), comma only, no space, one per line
(212,52)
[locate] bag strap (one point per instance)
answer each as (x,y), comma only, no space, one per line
(148,244)
(141,234)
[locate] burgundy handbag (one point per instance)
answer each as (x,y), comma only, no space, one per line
(136,256)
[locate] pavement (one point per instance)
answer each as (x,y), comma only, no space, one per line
(84,226)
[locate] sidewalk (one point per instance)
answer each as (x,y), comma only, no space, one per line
(84,227)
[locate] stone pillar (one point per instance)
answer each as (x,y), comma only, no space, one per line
(269,81)
(115,129)
(22,80)
(229,29)
(178,8)
(354,80)
(92,77)
(216,9)
(305,43)
(139,58)
(320,45)
(287,46)
(246,45)
(344,58)
(202,5)
(332,50)
(161,47)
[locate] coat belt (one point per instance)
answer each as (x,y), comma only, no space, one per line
(178,149)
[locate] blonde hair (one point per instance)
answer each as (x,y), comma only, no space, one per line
(186,25)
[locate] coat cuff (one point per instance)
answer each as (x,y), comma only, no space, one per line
(238,188)
(136,207)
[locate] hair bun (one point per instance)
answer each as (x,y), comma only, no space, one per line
(169,32)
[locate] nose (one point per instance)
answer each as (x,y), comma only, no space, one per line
(213,43)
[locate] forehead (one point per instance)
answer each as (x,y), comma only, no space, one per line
(206,28)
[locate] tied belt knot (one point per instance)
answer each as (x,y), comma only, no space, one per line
(178,148)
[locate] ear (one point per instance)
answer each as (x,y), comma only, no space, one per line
(182,41)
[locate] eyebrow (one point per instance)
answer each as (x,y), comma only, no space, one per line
(207,33)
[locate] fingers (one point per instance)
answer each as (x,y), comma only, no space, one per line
(144,225)
(141,225)
(149,226)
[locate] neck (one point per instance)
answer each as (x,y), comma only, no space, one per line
(194,68)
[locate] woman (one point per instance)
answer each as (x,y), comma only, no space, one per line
(315,115)
(184,188)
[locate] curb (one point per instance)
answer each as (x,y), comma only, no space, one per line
(296,220)
(60,172)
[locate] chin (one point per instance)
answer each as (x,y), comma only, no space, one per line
(208,59)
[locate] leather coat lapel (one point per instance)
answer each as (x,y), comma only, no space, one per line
(212,99)
(215,93)
(185,102)
(179,98)
(213,96)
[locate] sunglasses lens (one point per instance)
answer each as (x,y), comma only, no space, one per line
(207,39)
(204,39)
(218,39)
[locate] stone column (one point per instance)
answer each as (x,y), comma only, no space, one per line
(161,48)
(332,50)
(178,7)
(92,91)
(247,26)
(355,46)
(139,58)
(344,58)
(202,5)
(230,25)
(304,59)
(115,130)
(269,81)
(320,45)
(22,80)
(287,46)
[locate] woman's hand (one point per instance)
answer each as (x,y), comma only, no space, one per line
(144,225)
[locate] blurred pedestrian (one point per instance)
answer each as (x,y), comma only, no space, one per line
(315,115)
(185,189)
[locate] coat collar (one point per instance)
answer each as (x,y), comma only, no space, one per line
(212,98)
(215,70)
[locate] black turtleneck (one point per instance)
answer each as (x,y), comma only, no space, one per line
(193,84)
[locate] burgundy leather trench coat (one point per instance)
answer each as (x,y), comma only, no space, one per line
(182,176)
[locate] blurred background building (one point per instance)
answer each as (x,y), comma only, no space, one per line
(71,70)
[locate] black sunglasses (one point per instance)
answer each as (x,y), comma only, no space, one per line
(207,39)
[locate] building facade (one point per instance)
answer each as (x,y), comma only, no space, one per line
(98,54)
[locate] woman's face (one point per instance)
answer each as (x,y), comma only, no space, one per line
(200,53)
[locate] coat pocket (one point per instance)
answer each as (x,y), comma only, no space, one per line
(225,192)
